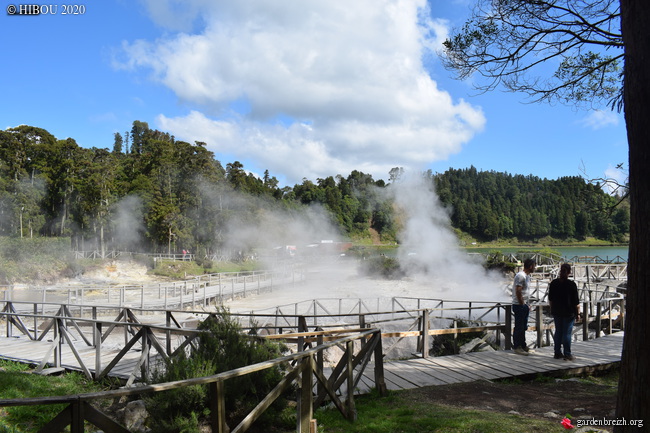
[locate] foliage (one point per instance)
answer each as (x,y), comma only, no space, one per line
(222,346)
(491,205)
(17,382)
(165,195)
(496,260)
(511,43)
(382,266)
(33,259)
(448,344)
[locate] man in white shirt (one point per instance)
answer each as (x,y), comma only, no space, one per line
(520,307)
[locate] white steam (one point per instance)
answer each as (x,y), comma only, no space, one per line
(129,226)
(437,268)
(429,248)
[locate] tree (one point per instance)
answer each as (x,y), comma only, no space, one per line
(510,42)
(507,41)
(117,143)
(633,394)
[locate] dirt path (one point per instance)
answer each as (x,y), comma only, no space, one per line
(545,400)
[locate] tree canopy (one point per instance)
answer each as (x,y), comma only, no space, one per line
(165,195)
(513,42)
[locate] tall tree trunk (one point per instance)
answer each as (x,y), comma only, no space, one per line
(634,387)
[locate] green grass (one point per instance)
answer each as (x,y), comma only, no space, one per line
(179,270)
(16,381)
(397,413)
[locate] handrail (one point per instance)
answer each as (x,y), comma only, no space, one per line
(197,291)
(307,373)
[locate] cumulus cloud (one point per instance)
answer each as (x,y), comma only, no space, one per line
(327,86)
(598,119)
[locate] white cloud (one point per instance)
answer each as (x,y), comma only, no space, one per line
(349,75)
(598,119)
(615,177)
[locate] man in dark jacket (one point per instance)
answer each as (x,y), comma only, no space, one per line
(565,308)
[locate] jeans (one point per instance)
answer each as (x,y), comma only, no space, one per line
(521,324)
(562,335)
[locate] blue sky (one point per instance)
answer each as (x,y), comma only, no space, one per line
(305,89)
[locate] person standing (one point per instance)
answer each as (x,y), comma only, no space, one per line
(520,307)
(565,308)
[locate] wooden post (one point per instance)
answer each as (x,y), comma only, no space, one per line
(305,402)
(585,322)
(168,334)
(59,342)
(77,417)
(351,408)
(380,382)
(35,322)
(320,363)
(362,324)
(97,340)
(538,324)
(508,331)
(598,313)
(455,326)
(425,333)
(498,331)
(217,406)
(610,304)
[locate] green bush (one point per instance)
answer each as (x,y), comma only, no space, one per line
(382,266)
(27,259)
(222,346)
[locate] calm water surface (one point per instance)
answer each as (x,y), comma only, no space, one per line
(567,252)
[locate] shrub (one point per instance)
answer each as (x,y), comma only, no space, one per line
(382,266)
(222,346)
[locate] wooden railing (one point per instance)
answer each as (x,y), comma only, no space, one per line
(304,368)
(199,291)
(408,318)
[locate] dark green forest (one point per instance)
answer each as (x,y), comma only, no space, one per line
(151,192)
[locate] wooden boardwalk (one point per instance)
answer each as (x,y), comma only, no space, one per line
(591,355)
(403,374)
(32,351)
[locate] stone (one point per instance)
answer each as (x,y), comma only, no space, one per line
(135,416)
(468,347)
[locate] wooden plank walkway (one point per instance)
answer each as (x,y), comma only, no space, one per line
(590,355)
(403,374)
(32,351)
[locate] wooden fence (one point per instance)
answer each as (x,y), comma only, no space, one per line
(312,334)
(199,291)
(408,318)
(305,368)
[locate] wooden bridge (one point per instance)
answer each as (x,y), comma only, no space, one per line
(195,292)
(126,347)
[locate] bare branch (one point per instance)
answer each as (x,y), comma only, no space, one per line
(511,42)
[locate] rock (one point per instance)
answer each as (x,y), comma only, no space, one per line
(135,415)
(514,412)
(485,348)
(573,379)
(551,415)
(468,347)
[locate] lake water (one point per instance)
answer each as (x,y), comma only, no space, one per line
(567,252)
